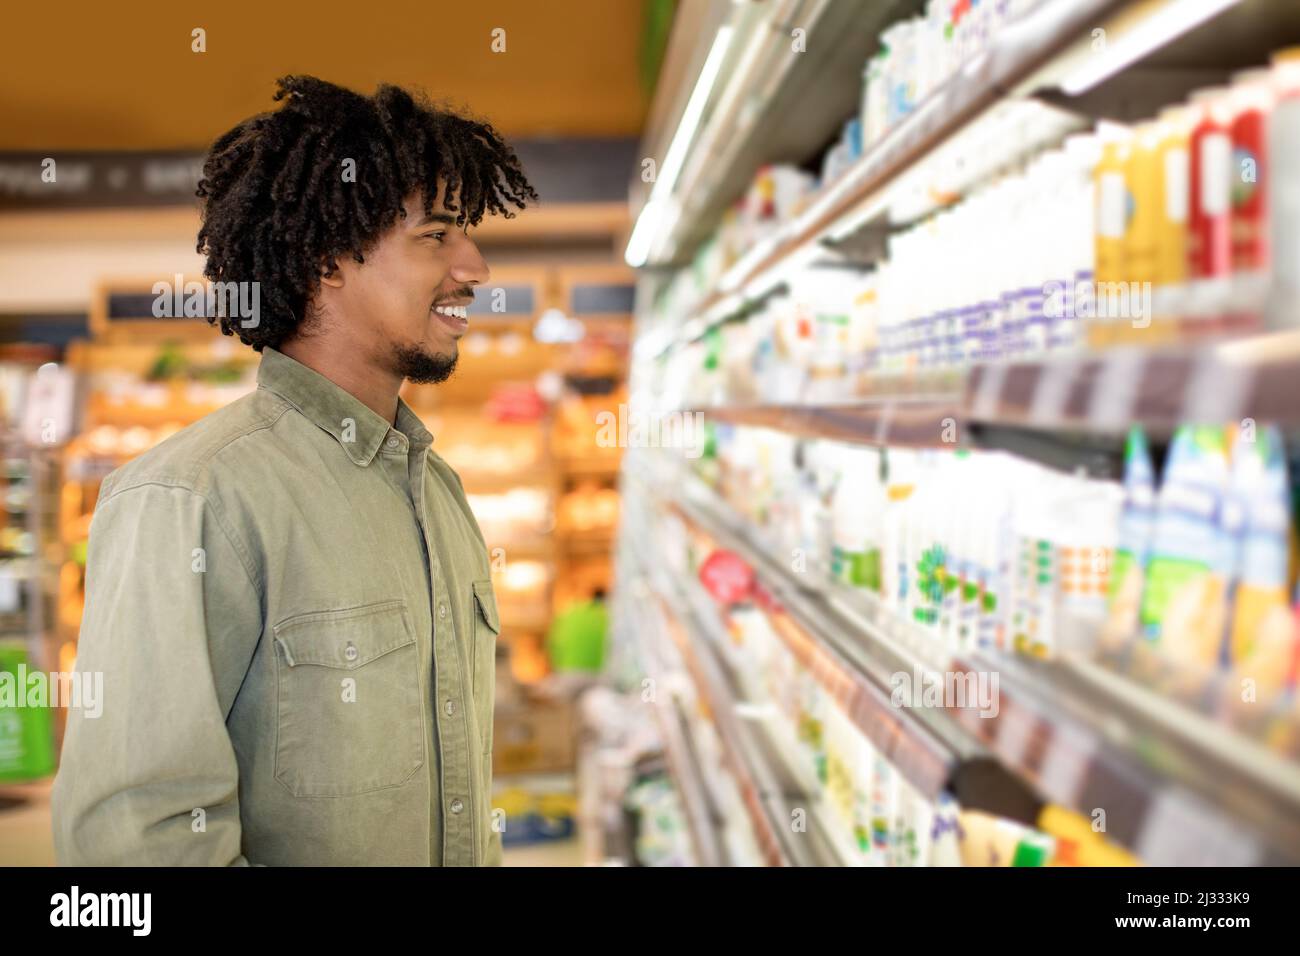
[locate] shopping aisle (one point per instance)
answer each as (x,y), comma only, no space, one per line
(960,528)
(882,435)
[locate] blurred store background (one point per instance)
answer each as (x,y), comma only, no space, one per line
(948,348)
(91,378)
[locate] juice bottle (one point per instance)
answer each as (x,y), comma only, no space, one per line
(1142,181)
(1252,104)
(1136,526)
(1284,199)
(1112,213)
(1262,635)
(901,474)
(1181,613)
(1089,530)
(1210,217)
(857,509)
(1173,172)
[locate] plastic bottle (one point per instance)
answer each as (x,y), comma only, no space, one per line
(1262,636)
(900,484)
(990,511)
(1210,217)
(1182,614)
(1252,103)
(884,800)
(859,499)
(1174,171)
(1111,194)
(1136,528)
(1088,516)
(1284,199)
(1142,179)
(1035,589)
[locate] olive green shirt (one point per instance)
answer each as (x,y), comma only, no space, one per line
(292,608)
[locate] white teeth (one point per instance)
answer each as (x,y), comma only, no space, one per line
(453,311)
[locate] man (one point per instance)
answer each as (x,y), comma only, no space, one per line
(290,600)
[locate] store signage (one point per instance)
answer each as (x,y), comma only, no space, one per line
(55,180)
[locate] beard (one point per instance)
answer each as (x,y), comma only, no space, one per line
(423,367)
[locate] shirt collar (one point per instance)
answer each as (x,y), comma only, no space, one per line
(358,429)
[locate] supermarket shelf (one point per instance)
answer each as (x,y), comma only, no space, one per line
(1215,382)
(696,793)
(769,792)
(904,421)
(785,104)
(1020,49)
(1049,49)
(1068,411)
(1089,740)
(928,749)
(685,771)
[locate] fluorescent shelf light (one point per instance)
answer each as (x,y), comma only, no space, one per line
(638,247)
(1172,20)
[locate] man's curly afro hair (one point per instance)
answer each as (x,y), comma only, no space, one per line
(276,209)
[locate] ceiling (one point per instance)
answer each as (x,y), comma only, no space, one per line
(95,77)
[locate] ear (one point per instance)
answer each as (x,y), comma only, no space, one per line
(330,275)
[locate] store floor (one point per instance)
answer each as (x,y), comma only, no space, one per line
(26,840)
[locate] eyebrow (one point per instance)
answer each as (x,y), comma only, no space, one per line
(436,217)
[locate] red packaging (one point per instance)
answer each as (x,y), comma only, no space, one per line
(1252,102)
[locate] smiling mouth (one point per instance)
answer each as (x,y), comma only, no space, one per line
(454,318)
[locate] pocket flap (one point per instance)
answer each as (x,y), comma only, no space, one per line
(486,599)
(346,638)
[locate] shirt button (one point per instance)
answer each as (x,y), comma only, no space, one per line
(350,652)
(457,806)
(392,442)
(442,610)
(449,707)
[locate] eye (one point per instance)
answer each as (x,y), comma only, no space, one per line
(439,235)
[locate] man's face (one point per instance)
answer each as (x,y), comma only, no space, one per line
(405,304)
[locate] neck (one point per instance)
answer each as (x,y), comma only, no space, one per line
(350,369)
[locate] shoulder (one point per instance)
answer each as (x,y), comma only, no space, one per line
(190,458)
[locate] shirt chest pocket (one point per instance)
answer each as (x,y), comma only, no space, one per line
(349,716)
(487,627)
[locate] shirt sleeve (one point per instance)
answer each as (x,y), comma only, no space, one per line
(171,620)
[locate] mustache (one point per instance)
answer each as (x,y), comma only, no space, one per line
(466,293)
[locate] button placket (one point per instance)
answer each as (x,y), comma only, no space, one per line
(459,840)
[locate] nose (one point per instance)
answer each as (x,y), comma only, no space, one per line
(470,268)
